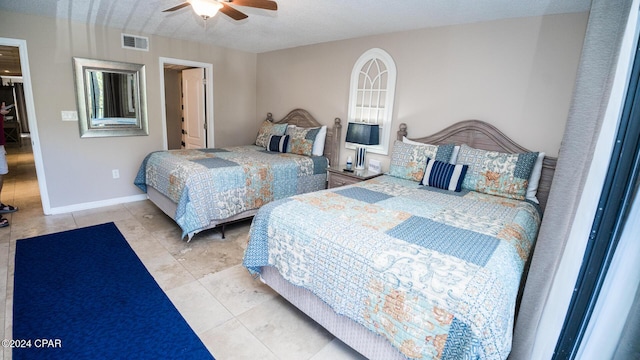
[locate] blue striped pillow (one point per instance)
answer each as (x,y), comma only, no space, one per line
(278,143)
(443,175)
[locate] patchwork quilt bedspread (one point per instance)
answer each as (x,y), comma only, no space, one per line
(214,184)
(435,272)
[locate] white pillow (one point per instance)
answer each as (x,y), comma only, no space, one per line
(411,142)
(534,179)
(318,144)
(454,154)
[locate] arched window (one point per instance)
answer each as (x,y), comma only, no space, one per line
(372,90)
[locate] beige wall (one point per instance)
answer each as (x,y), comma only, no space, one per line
(516,74)
(78,170)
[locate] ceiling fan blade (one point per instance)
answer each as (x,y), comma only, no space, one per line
(231,12)
(261,4)
(177,7)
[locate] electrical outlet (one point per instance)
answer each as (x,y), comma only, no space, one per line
(115,173)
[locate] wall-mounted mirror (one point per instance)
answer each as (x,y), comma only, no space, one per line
(111,98)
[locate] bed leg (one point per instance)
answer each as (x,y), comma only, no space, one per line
(223,225)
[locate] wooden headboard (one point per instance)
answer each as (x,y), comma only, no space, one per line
(302,118)
(481,135)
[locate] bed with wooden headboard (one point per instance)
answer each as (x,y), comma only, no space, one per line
(367,320)
(205,188)
(482,135)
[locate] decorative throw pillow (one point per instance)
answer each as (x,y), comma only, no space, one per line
(302,140)
(267,129)
(278,143)
(289,129)
(454,153)
(408,161)
(318,143)
(497,173)
(444,175)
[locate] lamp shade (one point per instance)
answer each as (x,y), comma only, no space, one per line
(205,8)
(363,134)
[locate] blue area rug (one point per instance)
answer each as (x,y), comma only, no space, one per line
(84,294)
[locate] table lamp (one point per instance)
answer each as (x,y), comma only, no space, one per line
(362,134)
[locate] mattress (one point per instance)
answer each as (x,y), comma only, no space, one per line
(436,273)
(216,184)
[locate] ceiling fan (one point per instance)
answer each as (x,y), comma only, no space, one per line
(208,8)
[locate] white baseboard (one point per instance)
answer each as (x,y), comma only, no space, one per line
(95,204)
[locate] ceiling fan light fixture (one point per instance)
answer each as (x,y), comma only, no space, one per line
(205,8)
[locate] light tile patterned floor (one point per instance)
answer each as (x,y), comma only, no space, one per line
(235,316)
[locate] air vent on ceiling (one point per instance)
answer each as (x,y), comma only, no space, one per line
(135,42)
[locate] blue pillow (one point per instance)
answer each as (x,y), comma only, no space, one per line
(278,143)
(443,175)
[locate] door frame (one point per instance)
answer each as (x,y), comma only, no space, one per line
(208,71)
(32,120)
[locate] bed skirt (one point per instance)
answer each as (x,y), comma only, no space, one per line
(356,336)
(169,207)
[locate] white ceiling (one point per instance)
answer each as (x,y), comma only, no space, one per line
(295,23)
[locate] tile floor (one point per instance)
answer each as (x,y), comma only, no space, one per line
(235,316)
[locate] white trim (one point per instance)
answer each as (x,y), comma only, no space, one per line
(208,70)
(385,131)
(97,204)
(562,289)
(617,295)
(33,123)
(621,282)
(14,79)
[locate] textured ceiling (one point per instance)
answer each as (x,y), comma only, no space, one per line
(295,23)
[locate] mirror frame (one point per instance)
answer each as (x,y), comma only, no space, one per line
(81,68)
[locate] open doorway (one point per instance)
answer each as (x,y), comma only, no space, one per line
(187,101)
(23,134)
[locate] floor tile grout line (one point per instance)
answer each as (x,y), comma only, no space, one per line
(257,338)
(75,219)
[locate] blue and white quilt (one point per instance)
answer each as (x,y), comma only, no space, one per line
(214,184)
(435,272)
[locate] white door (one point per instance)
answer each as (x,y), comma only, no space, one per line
(193,128)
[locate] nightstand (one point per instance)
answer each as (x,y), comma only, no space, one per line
(339,177)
